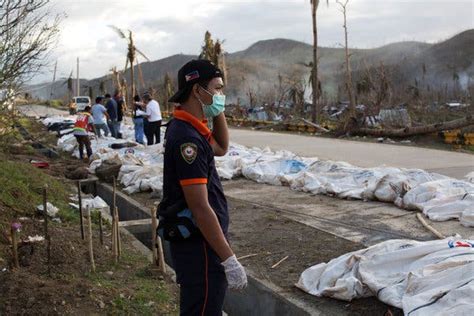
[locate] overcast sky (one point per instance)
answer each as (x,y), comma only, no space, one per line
(163,28)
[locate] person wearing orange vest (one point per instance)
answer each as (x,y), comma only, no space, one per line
(84,124)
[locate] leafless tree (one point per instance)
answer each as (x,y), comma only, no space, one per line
(349,86)
(28,31)
(316,95)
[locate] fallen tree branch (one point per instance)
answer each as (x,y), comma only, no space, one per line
(318,127)
(429,227)
(417,130)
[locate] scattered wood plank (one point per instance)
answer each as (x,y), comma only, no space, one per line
(248,256)
(279,262)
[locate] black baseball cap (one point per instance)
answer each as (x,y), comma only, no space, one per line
(195,71)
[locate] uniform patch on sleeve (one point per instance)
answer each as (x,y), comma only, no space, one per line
(189,152)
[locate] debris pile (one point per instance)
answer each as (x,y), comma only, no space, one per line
(140,168)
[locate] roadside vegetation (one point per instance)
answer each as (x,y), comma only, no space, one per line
(130,287)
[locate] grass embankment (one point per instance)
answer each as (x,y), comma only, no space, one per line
(131,286)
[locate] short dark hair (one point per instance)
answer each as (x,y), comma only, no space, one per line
(107,95)
(87,108)
(187,91)
(147,96)
(98,99)
(195,71)
(136,98)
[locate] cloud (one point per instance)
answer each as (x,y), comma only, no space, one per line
(164,28)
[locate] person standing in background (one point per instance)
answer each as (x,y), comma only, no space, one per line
(153,116)
(112,110)
(138,119)
(120,111)
(84,124)
(100,115)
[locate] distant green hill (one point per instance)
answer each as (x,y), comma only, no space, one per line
(257,68)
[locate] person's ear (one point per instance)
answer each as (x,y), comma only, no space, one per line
(196,90)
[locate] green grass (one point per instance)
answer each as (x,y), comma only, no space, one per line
(135,291)
(58,104)
(149,290)
(22,189)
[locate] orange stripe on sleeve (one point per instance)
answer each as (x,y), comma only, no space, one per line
(186,182)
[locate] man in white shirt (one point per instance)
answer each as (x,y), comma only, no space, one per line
(153,117)
(100,115)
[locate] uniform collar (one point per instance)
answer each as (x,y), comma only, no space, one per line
(199,125)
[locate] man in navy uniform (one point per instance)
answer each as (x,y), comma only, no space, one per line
(204,262)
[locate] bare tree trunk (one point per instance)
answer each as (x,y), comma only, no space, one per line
(132,72)
(349,87)
(314,81)
(132,75)
(418,130)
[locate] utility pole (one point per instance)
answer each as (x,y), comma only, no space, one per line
(78,84)
(54,79)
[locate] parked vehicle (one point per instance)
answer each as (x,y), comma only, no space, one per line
(79,104)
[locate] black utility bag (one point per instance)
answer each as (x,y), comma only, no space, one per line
(173,227)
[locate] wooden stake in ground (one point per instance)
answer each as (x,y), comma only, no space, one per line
(15,227)
(80,208)
(159,244)
(46,232)
(91,249)
(154,245)
(117,229)
(101,228)
(114,193)
(161,256)
(114,236)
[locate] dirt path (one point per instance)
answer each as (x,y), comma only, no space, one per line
(266,231)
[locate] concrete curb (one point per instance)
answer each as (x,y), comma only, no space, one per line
(259,298)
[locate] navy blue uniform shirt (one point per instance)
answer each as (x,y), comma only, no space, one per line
(189,160)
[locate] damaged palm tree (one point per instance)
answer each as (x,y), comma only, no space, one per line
(132,52)
(168,90)
(214,53)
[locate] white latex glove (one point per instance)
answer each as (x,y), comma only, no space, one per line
(235,273)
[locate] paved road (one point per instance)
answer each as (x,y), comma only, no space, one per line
(361,154)
(40,110)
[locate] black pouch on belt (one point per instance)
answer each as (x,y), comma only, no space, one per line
(176,222)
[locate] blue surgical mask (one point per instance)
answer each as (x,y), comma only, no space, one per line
(216,107)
